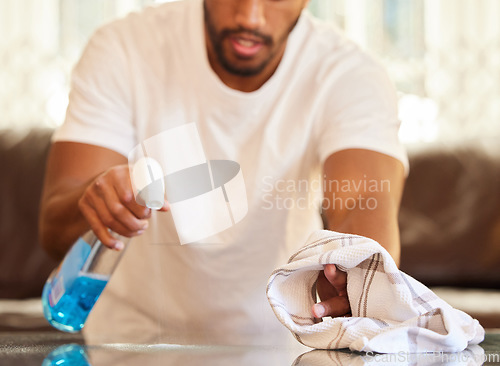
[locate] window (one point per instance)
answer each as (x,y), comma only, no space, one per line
(443,55)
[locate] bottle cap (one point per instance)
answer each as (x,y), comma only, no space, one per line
(148,181)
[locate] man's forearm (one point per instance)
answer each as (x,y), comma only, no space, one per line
(379,224)
(61,222)
(71,169)
(368,198)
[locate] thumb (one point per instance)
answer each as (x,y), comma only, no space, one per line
(337,278)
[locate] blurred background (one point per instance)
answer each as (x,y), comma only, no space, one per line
(443,55)
(444,58)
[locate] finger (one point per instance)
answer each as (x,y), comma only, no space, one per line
(334,307)
(337,278)
(325,288)
(98,228)
(165,208)
(119,213)
(124,193)
(138,211)
(108,219)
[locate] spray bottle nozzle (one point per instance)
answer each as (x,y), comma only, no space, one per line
(148,179)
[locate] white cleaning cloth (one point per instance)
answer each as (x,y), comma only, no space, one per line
(391,311)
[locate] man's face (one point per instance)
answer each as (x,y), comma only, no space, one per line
(246,36)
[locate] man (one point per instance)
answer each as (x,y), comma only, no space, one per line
(285,96)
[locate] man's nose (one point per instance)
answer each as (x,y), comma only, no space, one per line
(250,14)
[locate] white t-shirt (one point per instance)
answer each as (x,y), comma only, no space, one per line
(149,72)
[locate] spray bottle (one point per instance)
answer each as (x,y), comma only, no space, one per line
(74,287)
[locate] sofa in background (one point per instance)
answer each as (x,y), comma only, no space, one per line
(449,220)
(450,226)
(24,266)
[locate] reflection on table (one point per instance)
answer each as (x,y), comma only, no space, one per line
(51,348)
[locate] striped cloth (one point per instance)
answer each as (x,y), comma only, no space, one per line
(391,311)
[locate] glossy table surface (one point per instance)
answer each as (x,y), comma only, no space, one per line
(35,348)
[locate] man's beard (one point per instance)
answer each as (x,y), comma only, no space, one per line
(217,40)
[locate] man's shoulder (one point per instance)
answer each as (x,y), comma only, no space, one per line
(328,51)
(164,14)
(150,23)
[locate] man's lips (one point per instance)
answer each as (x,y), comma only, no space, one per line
(246,47)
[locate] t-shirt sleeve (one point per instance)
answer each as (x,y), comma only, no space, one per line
(361,113)
(100,104)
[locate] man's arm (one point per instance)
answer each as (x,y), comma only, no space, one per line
(362,196)
(87,187)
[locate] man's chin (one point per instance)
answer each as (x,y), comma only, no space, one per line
(243,68)
(244,72)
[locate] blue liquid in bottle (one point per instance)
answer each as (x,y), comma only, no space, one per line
(74,287)
(73,307)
